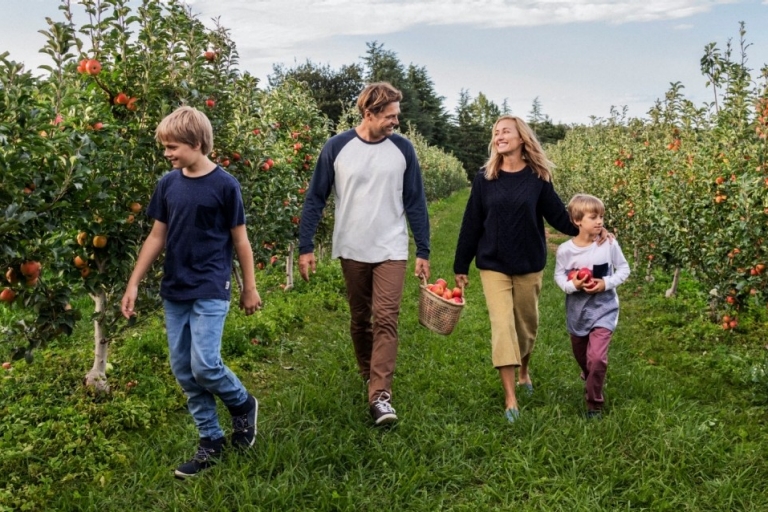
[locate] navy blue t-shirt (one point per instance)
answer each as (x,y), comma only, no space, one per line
(200,214)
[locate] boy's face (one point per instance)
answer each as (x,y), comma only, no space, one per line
(182,155)
(591,224)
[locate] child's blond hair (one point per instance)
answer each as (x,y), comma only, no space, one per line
(186,125)
(583,204)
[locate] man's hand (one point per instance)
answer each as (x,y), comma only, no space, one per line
(462,280)
(307,262)
(422,268)
(250,301)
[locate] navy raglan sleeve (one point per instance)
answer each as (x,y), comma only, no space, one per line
(415,202)
(320,187)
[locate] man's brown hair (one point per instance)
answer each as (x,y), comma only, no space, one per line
(376,96)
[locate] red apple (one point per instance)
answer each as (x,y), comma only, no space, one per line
(572,274)
(458,300)
(121,99)
(210,55)
(448,294)
(11,276)
(210,103)
(442,282)
(6,365)
(7,295)
(30,269)
(93,67)
(584,274)
(457,292)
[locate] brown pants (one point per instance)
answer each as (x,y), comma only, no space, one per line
(513,306)
(374,291)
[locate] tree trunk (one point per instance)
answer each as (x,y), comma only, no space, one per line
(97,377)
(237,272)
(289,268)
(675,281)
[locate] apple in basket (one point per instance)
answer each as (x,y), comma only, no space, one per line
(441,289)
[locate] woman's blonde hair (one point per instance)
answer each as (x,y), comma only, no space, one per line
(533,153)
(186,125)
(584,204)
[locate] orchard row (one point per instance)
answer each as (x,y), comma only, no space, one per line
(686,188)
(80,159)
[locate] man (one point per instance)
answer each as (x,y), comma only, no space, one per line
(377,185)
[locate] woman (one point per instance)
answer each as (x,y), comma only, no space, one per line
(503,231)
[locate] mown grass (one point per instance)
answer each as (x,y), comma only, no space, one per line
(684,428)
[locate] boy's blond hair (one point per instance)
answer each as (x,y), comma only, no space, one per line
(583,204)
(186,125)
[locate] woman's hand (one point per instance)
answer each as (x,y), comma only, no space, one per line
(605,235)
(462,281)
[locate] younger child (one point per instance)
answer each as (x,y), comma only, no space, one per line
(199,222)
(591,303)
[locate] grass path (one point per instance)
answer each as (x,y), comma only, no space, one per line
(672,438)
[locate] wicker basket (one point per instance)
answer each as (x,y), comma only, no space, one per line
(436,313)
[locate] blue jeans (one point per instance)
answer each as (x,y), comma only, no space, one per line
(194,341)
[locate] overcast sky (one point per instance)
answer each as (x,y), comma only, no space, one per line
(579,57)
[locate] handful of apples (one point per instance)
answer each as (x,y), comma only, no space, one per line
(582,274)
(441,289)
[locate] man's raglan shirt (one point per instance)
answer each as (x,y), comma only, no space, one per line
(376,186)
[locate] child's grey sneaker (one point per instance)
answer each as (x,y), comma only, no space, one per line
(244,423)
(382,411)
(208,453)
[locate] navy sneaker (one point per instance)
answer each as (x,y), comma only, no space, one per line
(382,411)
(208,452)
(244,423)
(594,414)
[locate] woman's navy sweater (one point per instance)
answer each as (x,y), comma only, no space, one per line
(503,225)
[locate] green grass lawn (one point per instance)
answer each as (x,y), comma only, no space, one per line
(684,426)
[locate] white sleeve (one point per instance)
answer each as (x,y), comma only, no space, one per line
(620,267)
(561,273)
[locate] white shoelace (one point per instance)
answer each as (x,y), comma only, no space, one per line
(382,403)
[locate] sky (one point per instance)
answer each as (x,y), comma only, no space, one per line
(578,57)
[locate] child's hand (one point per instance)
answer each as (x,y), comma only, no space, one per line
(595,286)
(580,284)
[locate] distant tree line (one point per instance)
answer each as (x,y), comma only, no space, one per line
(464,132)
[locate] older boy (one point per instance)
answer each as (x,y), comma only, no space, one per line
(199,221)
(589,273)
